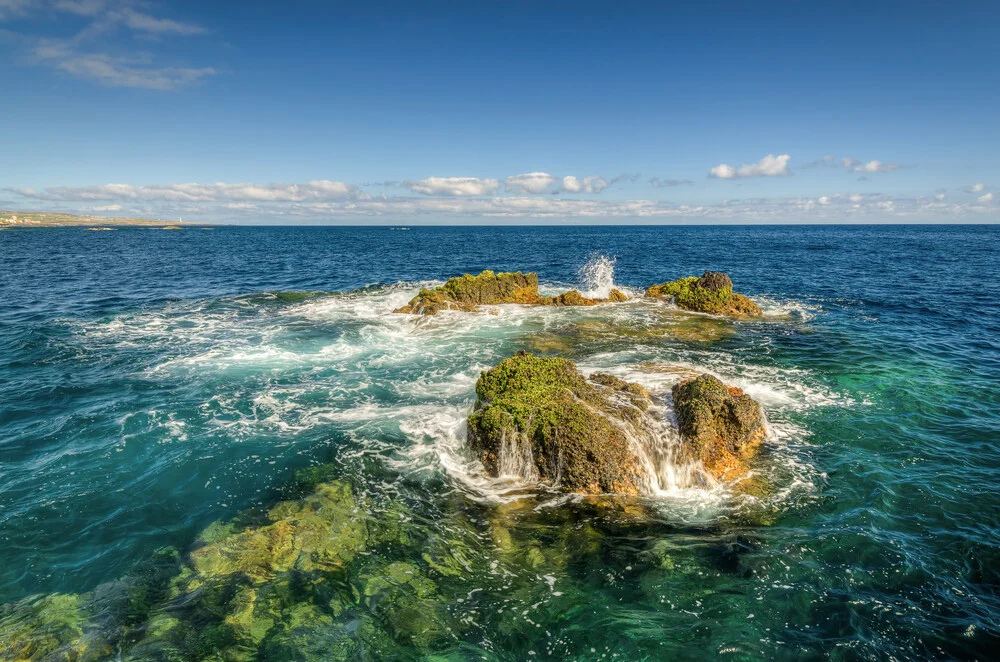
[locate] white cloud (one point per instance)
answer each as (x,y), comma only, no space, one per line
(854,165)
(769,166)
(532,182)
(666,183)
(975,188)
(87,53)
(280,192)
(851,164)
(542,182)
(454,186)
(591,184)
(82,7)
(9,8)
(119,72)
(939,196)
(146,23)
(330,201)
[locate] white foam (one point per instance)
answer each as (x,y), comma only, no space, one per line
(401,386)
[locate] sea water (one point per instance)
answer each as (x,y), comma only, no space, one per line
(154,383)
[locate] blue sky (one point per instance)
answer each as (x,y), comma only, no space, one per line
(502,112)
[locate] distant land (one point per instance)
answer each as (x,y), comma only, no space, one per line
(42,219)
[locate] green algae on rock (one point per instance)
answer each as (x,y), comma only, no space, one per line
(712,293)
(45,627)
(540,419)
(574,298)
(722,426)
(319,532)
(468,292)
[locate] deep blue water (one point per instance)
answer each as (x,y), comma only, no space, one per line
(154,382)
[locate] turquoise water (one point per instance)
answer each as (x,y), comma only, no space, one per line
(152,383)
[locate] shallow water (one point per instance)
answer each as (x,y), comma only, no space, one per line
(152,383)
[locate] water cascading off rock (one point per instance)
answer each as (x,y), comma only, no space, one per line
(540,421)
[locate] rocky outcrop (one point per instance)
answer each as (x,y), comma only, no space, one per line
(712,293)
(467,293)
(539,419)
(721,426)
(574,298)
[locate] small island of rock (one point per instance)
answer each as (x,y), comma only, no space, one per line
(712,293)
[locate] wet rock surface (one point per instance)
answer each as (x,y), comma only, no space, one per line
(540,419)
(722,426)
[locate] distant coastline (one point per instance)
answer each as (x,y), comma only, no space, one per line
(41,219)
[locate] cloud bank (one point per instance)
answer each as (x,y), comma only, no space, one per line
(460,201)
(314,190)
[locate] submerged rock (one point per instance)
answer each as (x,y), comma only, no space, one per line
(712,293)
(722,426)
(319,532)
(45,627)
(540,419)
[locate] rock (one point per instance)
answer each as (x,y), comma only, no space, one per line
(617,295)
(573,298)
(469,292)
(539,419)
(722,426)
(713,281)
(46,627)
(320,532)
(712,293)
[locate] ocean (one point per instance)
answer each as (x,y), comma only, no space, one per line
(173,402)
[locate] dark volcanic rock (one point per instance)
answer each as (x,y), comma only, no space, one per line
(714,281)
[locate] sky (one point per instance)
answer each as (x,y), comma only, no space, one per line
(502,112)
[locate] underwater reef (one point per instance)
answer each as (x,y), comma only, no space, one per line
(711,293)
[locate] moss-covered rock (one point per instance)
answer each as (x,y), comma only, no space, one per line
(722,426)
(469,292)
(540,419)
(319,532)
(617,295)
(573,298)
(466,293)
(712,293)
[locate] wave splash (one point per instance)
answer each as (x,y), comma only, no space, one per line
(597,276)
